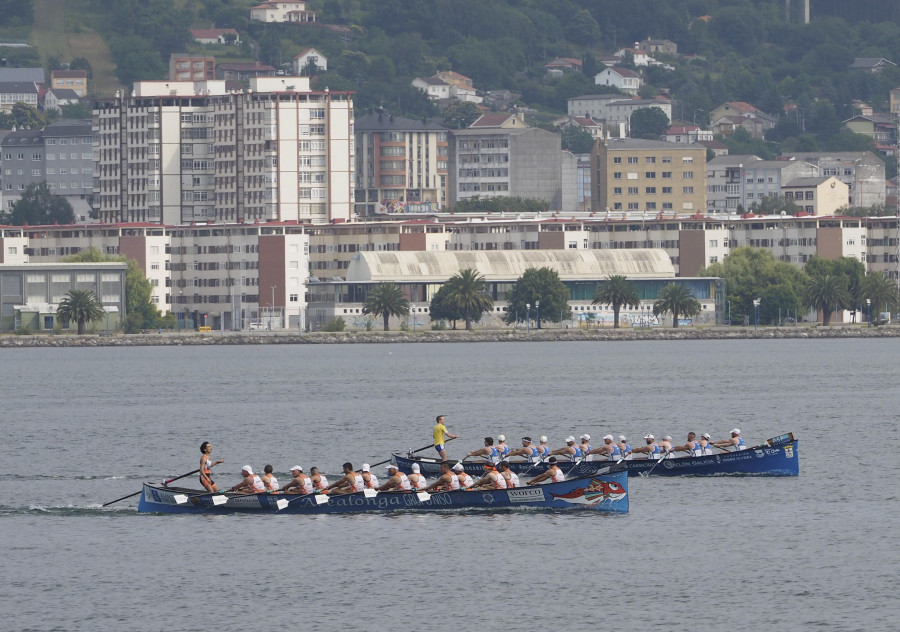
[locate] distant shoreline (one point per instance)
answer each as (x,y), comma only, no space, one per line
(430,336)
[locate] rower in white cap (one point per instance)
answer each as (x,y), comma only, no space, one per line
(465,481)
(735,441)
(571,452)
(369,479)
(665,447)
(416,479)
(300,484)
(625,448)
(706,444)
(251,484)
(396,480)
(651,449)
(609,449)
(586,447)
(543,448)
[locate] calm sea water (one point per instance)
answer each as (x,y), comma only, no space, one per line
(84,426)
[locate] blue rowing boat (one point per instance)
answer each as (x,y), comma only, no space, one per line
(606,492)
(779,456)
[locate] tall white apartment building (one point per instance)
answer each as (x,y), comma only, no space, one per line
(177,152)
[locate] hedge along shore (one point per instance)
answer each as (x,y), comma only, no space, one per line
(429,336)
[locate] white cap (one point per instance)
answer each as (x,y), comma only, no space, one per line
(365,467)
(648,436)
(622,438)
(586,436)
(543,438)
(501,437)
(570,439)
(458,467)
(610,437)
(667,438)
(390,467)
(296,467)
(706,435)
(736,431)
(415,467)
(247,469)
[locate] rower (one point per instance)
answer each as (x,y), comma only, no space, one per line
(300,484)
(502,446)
(666,447)
(440,431)
(531,453)
(553,474)
(609,449)
(350,482)
(396,480)
(651,449)
(269,479)
(705,444)
(465,481)
(570,452)
(416,479)
(487,452)
(625,448)
(691,446)
(447,481)
(369,479)
(512,479)
(586,447)
(251,484)
(320,483)
(543,448)
(491,479)
(206,464)
(734,442)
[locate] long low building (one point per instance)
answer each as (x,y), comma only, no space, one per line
(421,274)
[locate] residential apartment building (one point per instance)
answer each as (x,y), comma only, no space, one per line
(625,80)
(282,11)
(861,171)
(12,92)
(614,111)
(188,67)
(181,152)
(646,175)
(822,195)
(401,164)
(737,181)
(61,155)
(69,80)
(500,156)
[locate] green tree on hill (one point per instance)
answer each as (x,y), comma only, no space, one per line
(649,123)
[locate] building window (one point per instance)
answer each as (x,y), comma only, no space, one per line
(632,160)
(632,206)
(632,190)
(687,175)
(650,175)
(617,175)
(713,243)
(293,298)
(809,195)
(667,190)
(667,175)
(650,160)
(687,190)
(617,160)
(617,190)
(687,160)
(651,190)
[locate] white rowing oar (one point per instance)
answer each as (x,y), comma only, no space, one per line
(165,484)
(661,459)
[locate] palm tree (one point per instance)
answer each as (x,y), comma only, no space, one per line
(80,306)
(826,292)
(386,299)
(616,291)
(881,291)
(677,300)
(468,294)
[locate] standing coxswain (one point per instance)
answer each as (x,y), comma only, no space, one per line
(206,465)
(441,434)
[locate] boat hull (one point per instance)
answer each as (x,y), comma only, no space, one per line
(602,493)
(777,460)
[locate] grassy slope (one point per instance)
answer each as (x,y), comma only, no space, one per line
(67,36)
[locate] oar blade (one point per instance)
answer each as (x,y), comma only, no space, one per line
(370,493)
(423,496)
(281,503)
(219,499)
(180,498)
(321,499)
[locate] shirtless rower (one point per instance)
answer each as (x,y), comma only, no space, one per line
(447,481)
(416,479)
(487,452)
(691,446)
(349,483)
(300,484)
(320,483)
(251,484)
(440,431)
(465,481)
(396,480)
(531,453)
(734,442)
(609,450)
(491,479)
(269,479)
(206,464)
(651,449)
(370,480)
(570,452)
(552,475)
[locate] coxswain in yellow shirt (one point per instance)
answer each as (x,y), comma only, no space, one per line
(441,434)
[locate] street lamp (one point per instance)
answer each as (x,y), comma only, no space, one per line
(756,309)
(868,313)
(527,317)
(537,304)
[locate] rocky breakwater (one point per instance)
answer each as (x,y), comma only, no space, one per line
(520,335)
